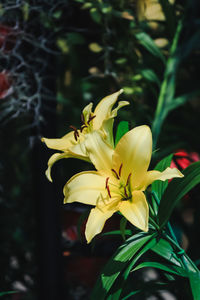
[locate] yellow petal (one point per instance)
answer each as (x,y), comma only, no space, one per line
(62,144)
(87,111)
(168,173)
(134,151)
(95,223)
(107,125)
(136,211)
(103,109)
(84,187)
(57,156)
(99,152)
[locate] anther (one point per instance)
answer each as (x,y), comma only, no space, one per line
(91,118)
(120,169)
(82,127)
(107,182)
(128,179)
(82,119)
(73,127)
(115,173)
(107,187)
(125,192)
(75,135)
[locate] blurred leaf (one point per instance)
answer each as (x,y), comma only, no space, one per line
(182,100)
(164,267)
(159,186)
(62,45)
(149,44)
(170,15)
(94,47)
(95,15)
(176,189)
(74,38)
(150,75)
(6,293)
(168,87)
(122,128)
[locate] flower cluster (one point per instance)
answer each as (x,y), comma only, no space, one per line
(121,175)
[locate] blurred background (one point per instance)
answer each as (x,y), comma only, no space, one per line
(55,58)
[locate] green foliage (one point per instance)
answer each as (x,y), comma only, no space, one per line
(159,186)
(176,190)
(122,128)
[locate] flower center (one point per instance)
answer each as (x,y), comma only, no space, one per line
(85,125)
(122,188)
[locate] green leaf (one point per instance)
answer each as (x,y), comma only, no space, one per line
(146,41)
(6,293)
(151,243)
(164,249)
(123,223)
(118,232)
(194,279)
(122,128)
(159,186)
(164,267)
(182,100)
(118,263)
(95,15)
(176,189)
(150,75)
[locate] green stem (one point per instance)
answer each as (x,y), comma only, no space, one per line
(183,254)
(170,71)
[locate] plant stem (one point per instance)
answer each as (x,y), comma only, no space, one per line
(166,94)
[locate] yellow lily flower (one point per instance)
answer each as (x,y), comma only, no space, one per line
(120,181)
(73,143)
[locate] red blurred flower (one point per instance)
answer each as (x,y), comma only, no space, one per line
(183,159)
(7,37)
(5,85)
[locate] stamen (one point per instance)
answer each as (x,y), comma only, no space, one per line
(82,118)
(115,172)
(128,179)
(107,182)
(91,118)
(75,135)
(73,127)
(82,127)
(125,192)
(120,169)
(107,187)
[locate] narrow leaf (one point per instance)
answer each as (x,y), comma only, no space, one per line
(150,75)
(194,279)
(164,267)
(150,45)
(176,189)
(118,263)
